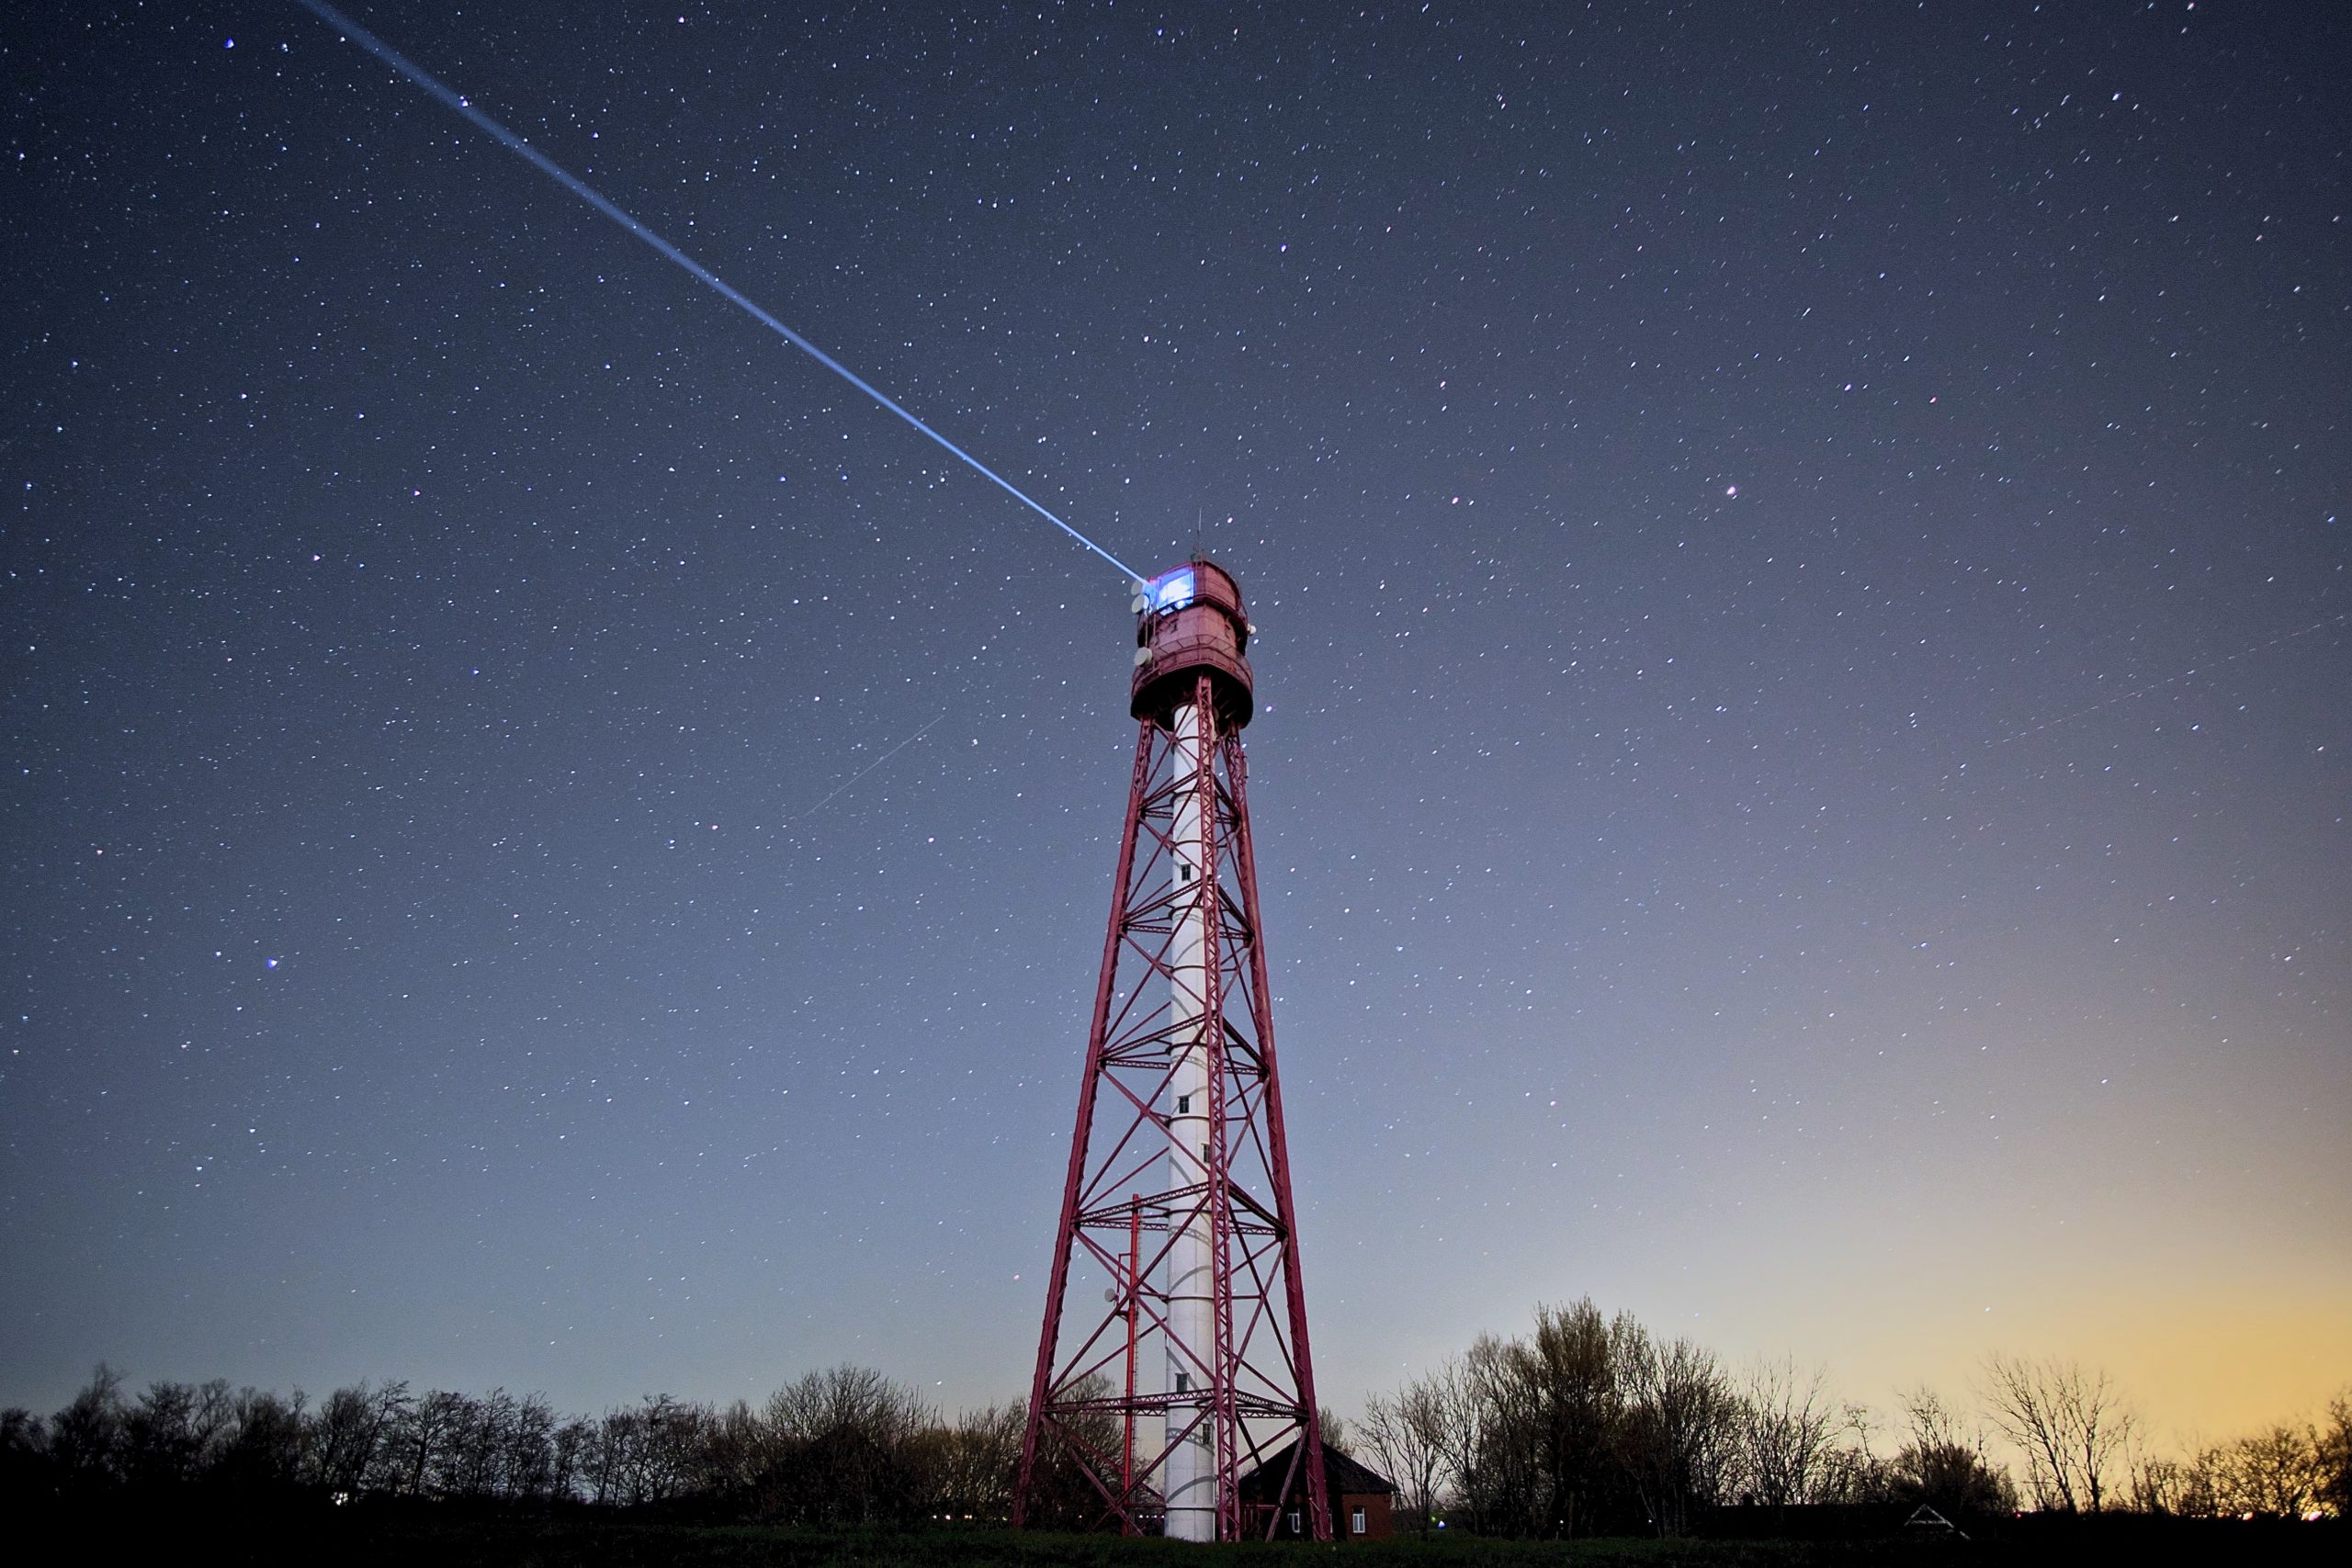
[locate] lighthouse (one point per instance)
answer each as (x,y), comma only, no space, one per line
(1188,1366)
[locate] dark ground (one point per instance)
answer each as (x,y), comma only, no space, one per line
(448,1538)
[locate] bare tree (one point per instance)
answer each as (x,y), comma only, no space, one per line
(214,1420)
(2153,1483)
(1407,1433)
(669,1439)
(1504,1481)
(737,1450)
(569,1453)
(2334,1457)
(610,1460)
(1576,1363)
(645,1453)
(1455,1418)
(349,1430)
(2273,1474)
(1679,1434)
(2068,1421)
(1787,1419)
(1944,1463)
(1850,1470)
(2196,1489)
(974,1461)
(24,1437)
(85,1439)
(388,1467)
(266,1442)
(527,1467)
(1333,1429)
(1065,1488)
(478,1446)
(160,1443)
(848,1435)
(847,1397)
(418,1446)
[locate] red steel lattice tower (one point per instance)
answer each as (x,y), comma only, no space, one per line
(1173,1360)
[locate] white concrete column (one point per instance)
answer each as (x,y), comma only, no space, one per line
(1188,1478)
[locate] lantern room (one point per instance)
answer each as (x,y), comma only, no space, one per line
(1190,620)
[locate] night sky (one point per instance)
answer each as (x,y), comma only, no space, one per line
(1800,773)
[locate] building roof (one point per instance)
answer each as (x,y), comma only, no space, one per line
(1342,1476)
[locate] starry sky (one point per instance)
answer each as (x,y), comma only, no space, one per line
(1801,760)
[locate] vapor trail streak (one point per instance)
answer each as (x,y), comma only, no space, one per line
(843,785)
(2168,681)
(586,193)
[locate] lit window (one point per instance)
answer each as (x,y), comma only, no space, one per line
(1172,591)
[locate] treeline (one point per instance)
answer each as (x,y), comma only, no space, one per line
(842,1447)
(1590,1425)
(1595,1425)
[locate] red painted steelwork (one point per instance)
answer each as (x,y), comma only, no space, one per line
(1134,1282)
(1092,1436)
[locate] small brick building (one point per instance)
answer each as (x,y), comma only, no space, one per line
(1360,1498)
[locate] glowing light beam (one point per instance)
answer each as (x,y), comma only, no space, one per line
(702,274)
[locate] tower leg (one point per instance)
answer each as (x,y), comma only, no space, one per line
(1024,1486)
(1261,1002)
